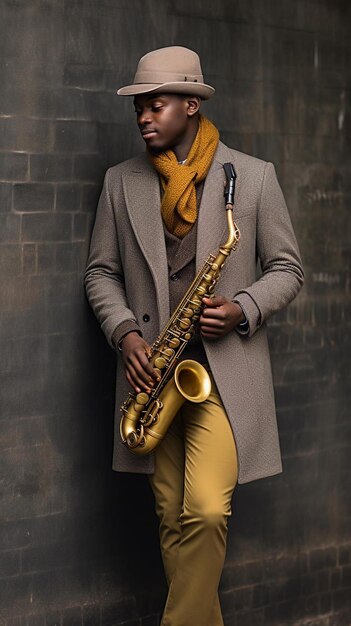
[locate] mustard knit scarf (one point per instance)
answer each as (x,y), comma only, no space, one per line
(179,208)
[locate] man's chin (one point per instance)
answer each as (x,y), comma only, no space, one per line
(156,148)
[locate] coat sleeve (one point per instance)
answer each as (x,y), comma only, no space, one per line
(103,278)
(282,271)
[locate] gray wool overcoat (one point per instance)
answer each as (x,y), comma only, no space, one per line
(126,278)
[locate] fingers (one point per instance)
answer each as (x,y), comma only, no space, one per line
(214,302)
(213,307)
(211,332)
(139,371)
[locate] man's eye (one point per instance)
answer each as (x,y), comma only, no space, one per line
(156,108)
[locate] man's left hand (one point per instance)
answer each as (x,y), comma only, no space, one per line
(219,316)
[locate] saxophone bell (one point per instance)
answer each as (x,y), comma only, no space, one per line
(192,380)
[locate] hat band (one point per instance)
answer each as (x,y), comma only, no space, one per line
(150,76)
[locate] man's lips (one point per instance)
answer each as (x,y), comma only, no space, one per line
(148,133)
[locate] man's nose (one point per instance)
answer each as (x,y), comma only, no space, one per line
(144,118)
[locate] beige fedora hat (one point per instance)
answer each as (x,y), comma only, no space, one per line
(173,69)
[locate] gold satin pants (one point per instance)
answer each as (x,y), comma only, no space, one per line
(195,475)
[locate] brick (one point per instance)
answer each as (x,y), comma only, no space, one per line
(51,167)
(15,621)
(250,618)
(53,618)
(150,620)
(8,434)
(345,554)
(13,166)
(26,532)
(66,258)
(325,603)
(46,258)
(91,615)
(9,563)
(35,619)
(29,135)
(309,584)
(260,595)
(346,576)
(72,616)
(5,197)
(80,227)
(118,612)
(84,77)
(10,259)
(9,227)
(29,258)
(311,605)
(76,136)
(90,197)
(33,197)
(15,593)
(31,431)
(323,579)
(340,618)
(66,583)
(88,167)
(68,197)
(242,598)
(44,227)
(341,599)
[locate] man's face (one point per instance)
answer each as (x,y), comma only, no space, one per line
(163,119)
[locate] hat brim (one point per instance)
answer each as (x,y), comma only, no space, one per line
(186,87)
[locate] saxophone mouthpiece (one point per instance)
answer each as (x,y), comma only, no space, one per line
(229,189)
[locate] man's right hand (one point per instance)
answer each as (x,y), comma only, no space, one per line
(139,371)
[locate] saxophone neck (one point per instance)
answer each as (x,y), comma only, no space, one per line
(233,230)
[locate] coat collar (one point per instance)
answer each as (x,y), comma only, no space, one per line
(142,194)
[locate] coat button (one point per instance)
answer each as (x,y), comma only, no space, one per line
(146,317)
(174,276)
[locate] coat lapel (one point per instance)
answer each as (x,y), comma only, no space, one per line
(142,193)
(212,226)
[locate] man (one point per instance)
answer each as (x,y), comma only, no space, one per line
(159,216)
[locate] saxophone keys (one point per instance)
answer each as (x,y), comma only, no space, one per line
(188,312)
(214,267)
(196,300)
(211,288)
(168,352)
(138,407)
(142,398)
(174,343)
(160,362)
(185,323)
(201,290)
(207,278)
(187,336)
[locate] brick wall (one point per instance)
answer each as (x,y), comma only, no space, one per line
(73,551)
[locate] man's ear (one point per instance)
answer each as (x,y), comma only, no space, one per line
(193,105)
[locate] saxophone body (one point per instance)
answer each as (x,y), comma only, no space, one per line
(146,417)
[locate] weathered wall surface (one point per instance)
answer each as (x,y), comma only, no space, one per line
(77,539)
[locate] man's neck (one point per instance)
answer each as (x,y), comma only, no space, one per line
(183,148)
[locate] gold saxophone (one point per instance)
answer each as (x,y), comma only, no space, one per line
(147,417)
